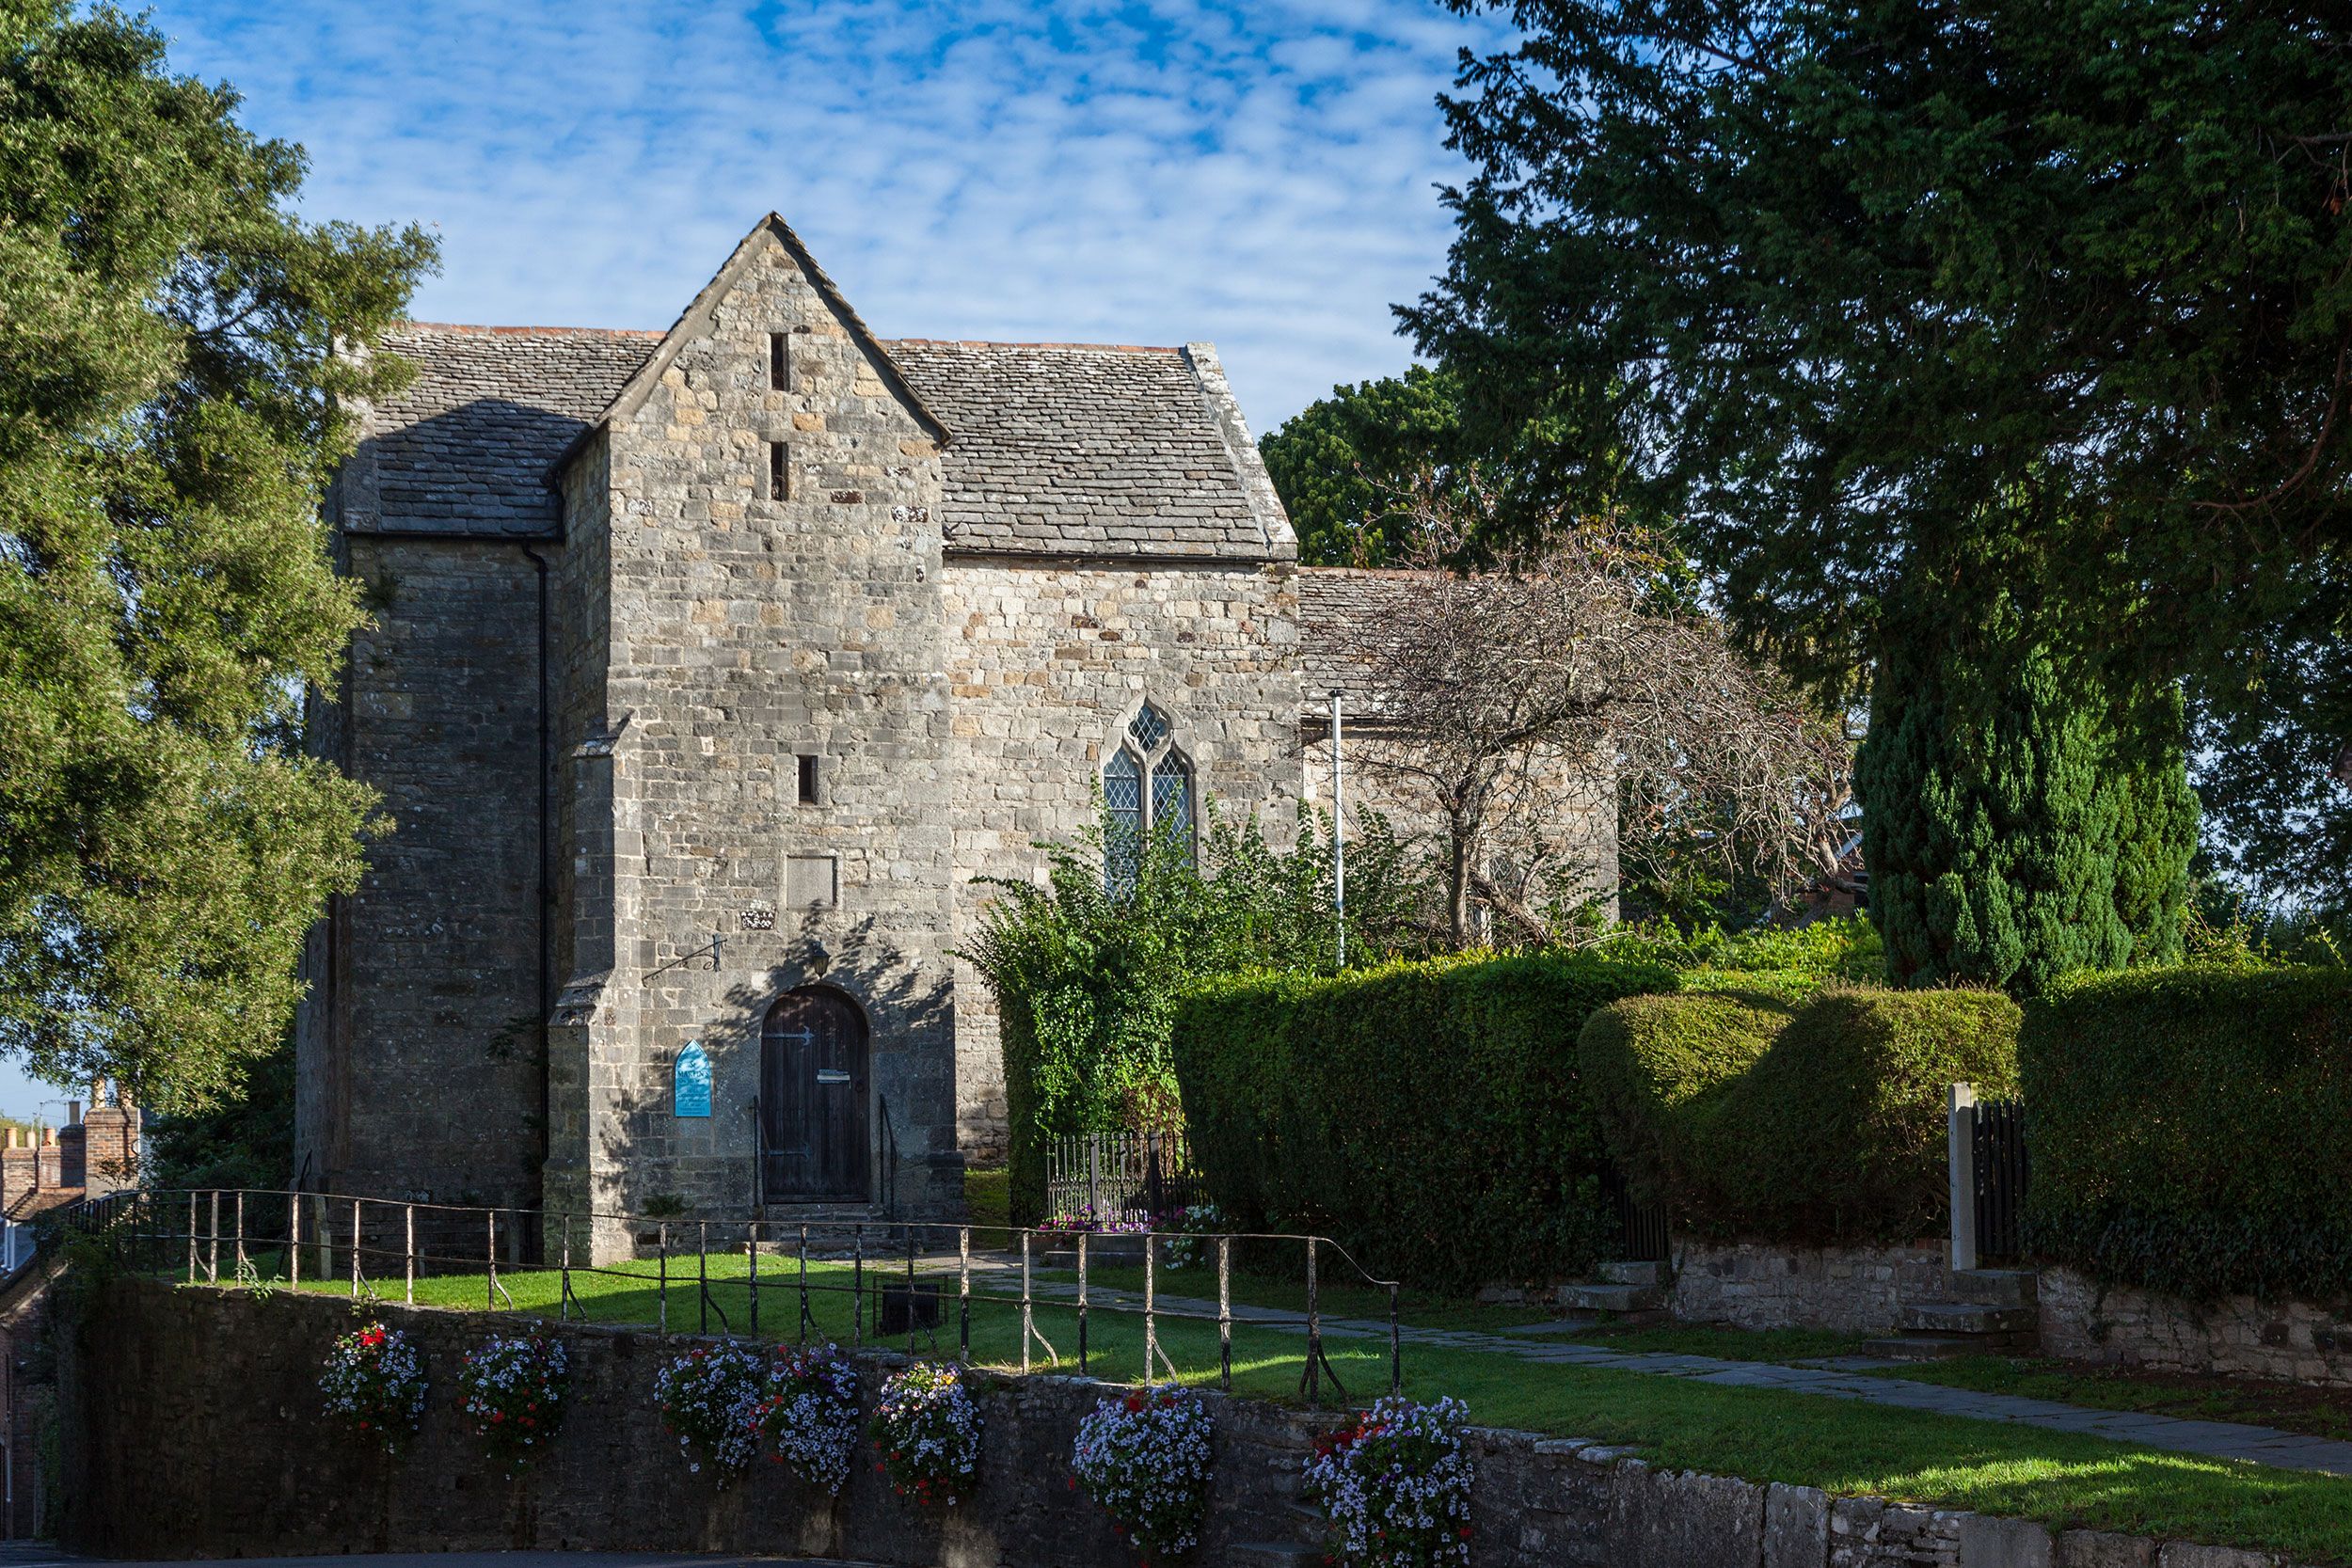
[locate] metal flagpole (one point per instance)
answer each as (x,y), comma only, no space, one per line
(1339,837)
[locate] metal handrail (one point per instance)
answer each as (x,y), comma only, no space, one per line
(184,1231)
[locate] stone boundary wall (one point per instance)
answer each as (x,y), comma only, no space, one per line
(1848,1289)
(2238,1337)
(191,1427)
(1760,1285)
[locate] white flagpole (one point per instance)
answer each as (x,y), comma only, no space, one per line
(1339,837)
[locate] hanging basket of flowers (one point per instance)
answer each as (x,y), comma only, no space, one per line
(513,1391)
(928,1430)
(809,1412)
(709,1400)
(374,1385)
(1396,1487)
(1145,1458)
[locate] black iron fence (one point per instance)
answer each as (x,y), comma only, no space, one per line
(1638,1233)
(862,1283)
(1997,1141)
(1104,1176)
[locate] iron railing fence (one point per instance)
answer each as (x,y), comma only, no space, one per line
(1633,1231)
(884,1278)
(1101,1175)
(2002,1176)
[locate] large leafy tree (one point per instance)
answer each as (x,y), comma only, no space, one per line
(171,404)
(1966,297)
(1344,465)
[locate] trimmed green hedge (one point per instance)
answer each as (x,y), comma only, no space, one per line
(1658,1069)
(1426,1115)
(1749,1113)
(2191,1129)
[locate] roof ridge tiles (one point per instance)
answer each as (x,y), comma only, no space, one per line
(529,331)
(997,342)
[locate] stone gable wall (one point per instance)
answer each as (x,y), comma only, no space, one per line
(1046,664)
(745,632)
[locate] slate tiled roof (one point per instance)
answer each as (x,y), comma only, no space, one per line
(1052,449)
(1341,611)
(466,448)
(1060,449)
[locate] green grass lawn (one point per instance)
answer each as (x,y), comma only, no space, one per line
(2062,1479)
(2290,1406)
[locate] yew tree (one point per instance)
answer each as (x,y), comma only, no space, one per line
(1985,304)
(174,388)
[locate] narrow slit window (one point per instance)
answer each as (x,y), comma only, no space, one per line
(779,471)
(808,781)
(780,361)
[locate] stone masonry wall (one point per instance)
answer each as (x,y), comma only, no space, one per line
(1047,663)
(745,632)
(2238,1337)
(161,1390)
(417,1049)
(1847,1289)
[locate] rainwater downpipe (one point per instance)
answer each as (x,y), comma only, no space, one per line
(547,883)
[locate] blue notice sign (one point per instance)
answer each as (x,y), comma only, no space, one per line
(689,1081)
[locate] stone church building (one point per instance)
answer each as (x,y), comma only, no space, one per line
(708,670)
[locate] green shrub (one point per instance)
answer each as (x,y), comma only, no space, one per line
(1814,1121)
(1085,970)
(2191,1129)
(1845,948)
(1426,1115)
(1654,1067)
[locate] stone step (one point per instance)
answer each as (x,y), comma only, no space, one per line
(1968,1318)
(1611,1298)
(1634,1274)
(1267,1555)
(1923,1347)
(1995,1287)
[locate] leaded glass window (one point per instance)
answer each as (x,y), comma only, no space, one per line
(1147,752)
(1171,798)
(1148,728)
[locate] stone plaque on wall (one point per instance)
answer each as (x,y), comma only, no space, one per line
(812,882)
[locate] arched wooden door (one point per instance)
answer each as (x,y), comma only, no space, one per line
(812,1098)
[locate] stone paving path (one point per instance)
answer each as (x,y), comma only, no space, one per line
(1844,1378)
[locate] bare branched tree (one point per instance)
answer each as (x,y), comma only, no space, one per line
(1513,704)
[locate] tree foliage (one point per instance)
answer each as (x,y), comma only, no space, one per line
(1085,969)
(1975,295)
(2014,832)
(171,404)
(1342,464)
(1507,707)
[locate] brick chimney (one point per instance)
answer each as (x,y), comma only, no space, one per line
(16,1171)
(71,1144)
(48,1161)
(110,1133)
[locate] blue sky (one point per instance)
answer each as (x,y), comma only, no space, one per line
(1260,174)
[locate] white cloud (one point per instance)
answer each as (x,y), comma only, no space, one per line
(1258,173)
